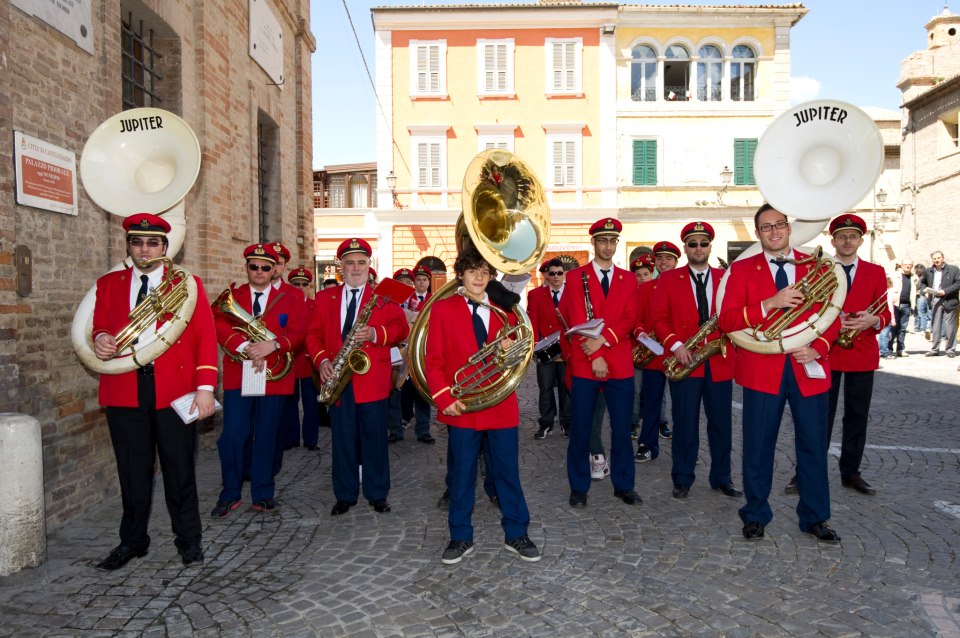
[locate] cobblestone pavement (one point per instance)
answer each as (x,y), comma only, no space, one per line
(665,568)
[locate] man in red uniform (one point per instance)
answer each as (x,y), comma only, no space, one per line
(422,407)
(542,306)
(451,320)
(256,418)
(684,300)
(654,382)
(359,418)
(142,423)
(304,392)
(756,287)
(603,363)
(412,405)
(866,283)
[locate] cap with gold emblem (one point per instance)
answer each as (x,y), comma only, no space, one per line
(403,273)
(643,261)
(300,276)
(281,250)
(606,226)
(848,222)
(422,270)
(666,248)
(260,251)
(697,228)
(146,224)
(354,245)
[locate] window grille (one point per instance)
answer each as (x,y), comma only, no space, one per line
(139,58)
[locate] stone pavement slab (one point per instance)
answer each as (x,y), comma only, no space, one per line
(664,568)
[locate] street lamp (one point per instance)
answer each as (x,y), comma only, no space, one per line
(725,176)
(392,185)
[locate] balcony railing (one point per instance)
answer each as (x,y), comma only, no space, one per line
(676,94)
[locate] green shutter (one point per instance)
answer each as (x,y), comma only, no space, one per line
(743,150)
(644,162)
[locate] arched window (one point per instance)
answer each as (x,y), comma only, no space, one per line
(709,74)
(676,74)
(643,74)
(743,70)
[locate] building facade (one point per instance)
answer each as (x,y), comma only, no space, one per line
(239,75)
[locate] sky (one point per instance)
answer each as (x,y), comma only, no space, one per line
(847,50)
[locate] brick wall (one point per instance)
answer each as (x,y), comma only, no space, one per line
(59,93)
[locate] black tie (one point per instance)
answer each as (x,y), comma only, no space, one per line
(257,308)
(142,293)
(781,278)
(420,297)
(703,306)
(479,329)
(556,298)
(351,314)
(847,270)
(605,282)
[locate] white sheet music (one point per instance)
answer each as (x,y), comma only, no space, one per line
(254,383)
(182,406)
(814,370)
(654,347)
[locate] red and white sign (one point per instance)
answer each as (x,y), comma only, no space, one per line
(46,175)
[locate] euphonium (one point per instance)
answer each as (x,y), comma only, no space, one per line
(699,348)
(254,330)
(350,360)
(846,337)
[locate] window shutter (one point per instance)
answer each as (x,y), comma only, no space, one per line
(422,161)
(434,68)
(489,64)
(421,69)
(570,161)
(644,162)
(558,163)
(435,165)
(743,151)
(569,65)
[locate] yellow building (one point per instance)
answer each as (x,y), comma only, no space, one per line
(643,113)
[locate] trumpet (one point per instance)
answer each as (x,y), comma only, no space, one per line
(255,331)
(846,337)
(817,285)
(699,348)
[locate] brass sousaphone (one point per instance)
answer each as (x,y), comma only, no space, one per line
(815,161)
(506,216)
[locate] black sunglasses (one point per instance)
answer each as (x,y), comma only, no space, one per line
(554,273)
(261,268)
(702,244)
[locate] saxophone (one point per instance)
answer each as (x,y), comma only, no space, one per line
(350,360)
(699,348)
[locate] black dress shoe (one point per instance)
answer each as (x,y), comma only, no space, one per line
(753,531)
(629,497)
(120,556)
(727,489)
(792,487)
(381,505)
(824,533)
(578,499)
(856,482)
(426,438)
(393,438)
(190,551)
(312,448)
(342,507)
(681,491)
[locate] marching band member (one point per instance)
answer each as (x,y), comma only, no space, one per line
(255,418)
(446,352)
(602,363)
(866,284)
(683,301)
(304,391)
(373,276)
(642,267)
(359,418)
(142,423)
(542,307)
(421,406)
(421,282)
(412,405)
(755,287)
(654,382)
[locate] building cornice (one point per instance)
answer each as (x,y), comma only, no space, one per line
(942,89)
(492,17)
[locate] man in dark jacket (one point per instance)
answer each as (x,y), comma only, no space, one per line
(941,283)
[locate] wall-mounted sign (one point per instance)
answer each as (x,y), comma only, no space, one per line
(266,40)
(72,18)
(46,175)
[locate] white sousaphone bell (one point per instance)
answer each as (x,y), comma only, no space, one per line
(142,160)
(814,161)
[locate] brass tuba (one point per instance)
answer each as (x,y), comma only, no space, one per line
(144,169)
(254,330)
(506,216)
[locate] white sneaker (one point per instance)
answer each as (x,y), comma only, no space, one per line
(599,467)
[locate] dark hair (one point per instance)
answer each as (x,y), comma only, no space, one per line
(554,263)
(762,210)
(470,259)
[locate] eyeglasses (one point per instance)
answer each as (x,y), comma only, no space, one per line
(137,242)
(261,267)
(701,244)
(612,241)
(766,228)
(555,273)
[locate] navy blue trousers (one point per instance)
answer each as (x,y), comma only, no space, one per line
(253,419)
(465,446)
(488,485)
(717,399)
(360,438)
(619,397)
(304,393)
(654,383)
(761,425)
